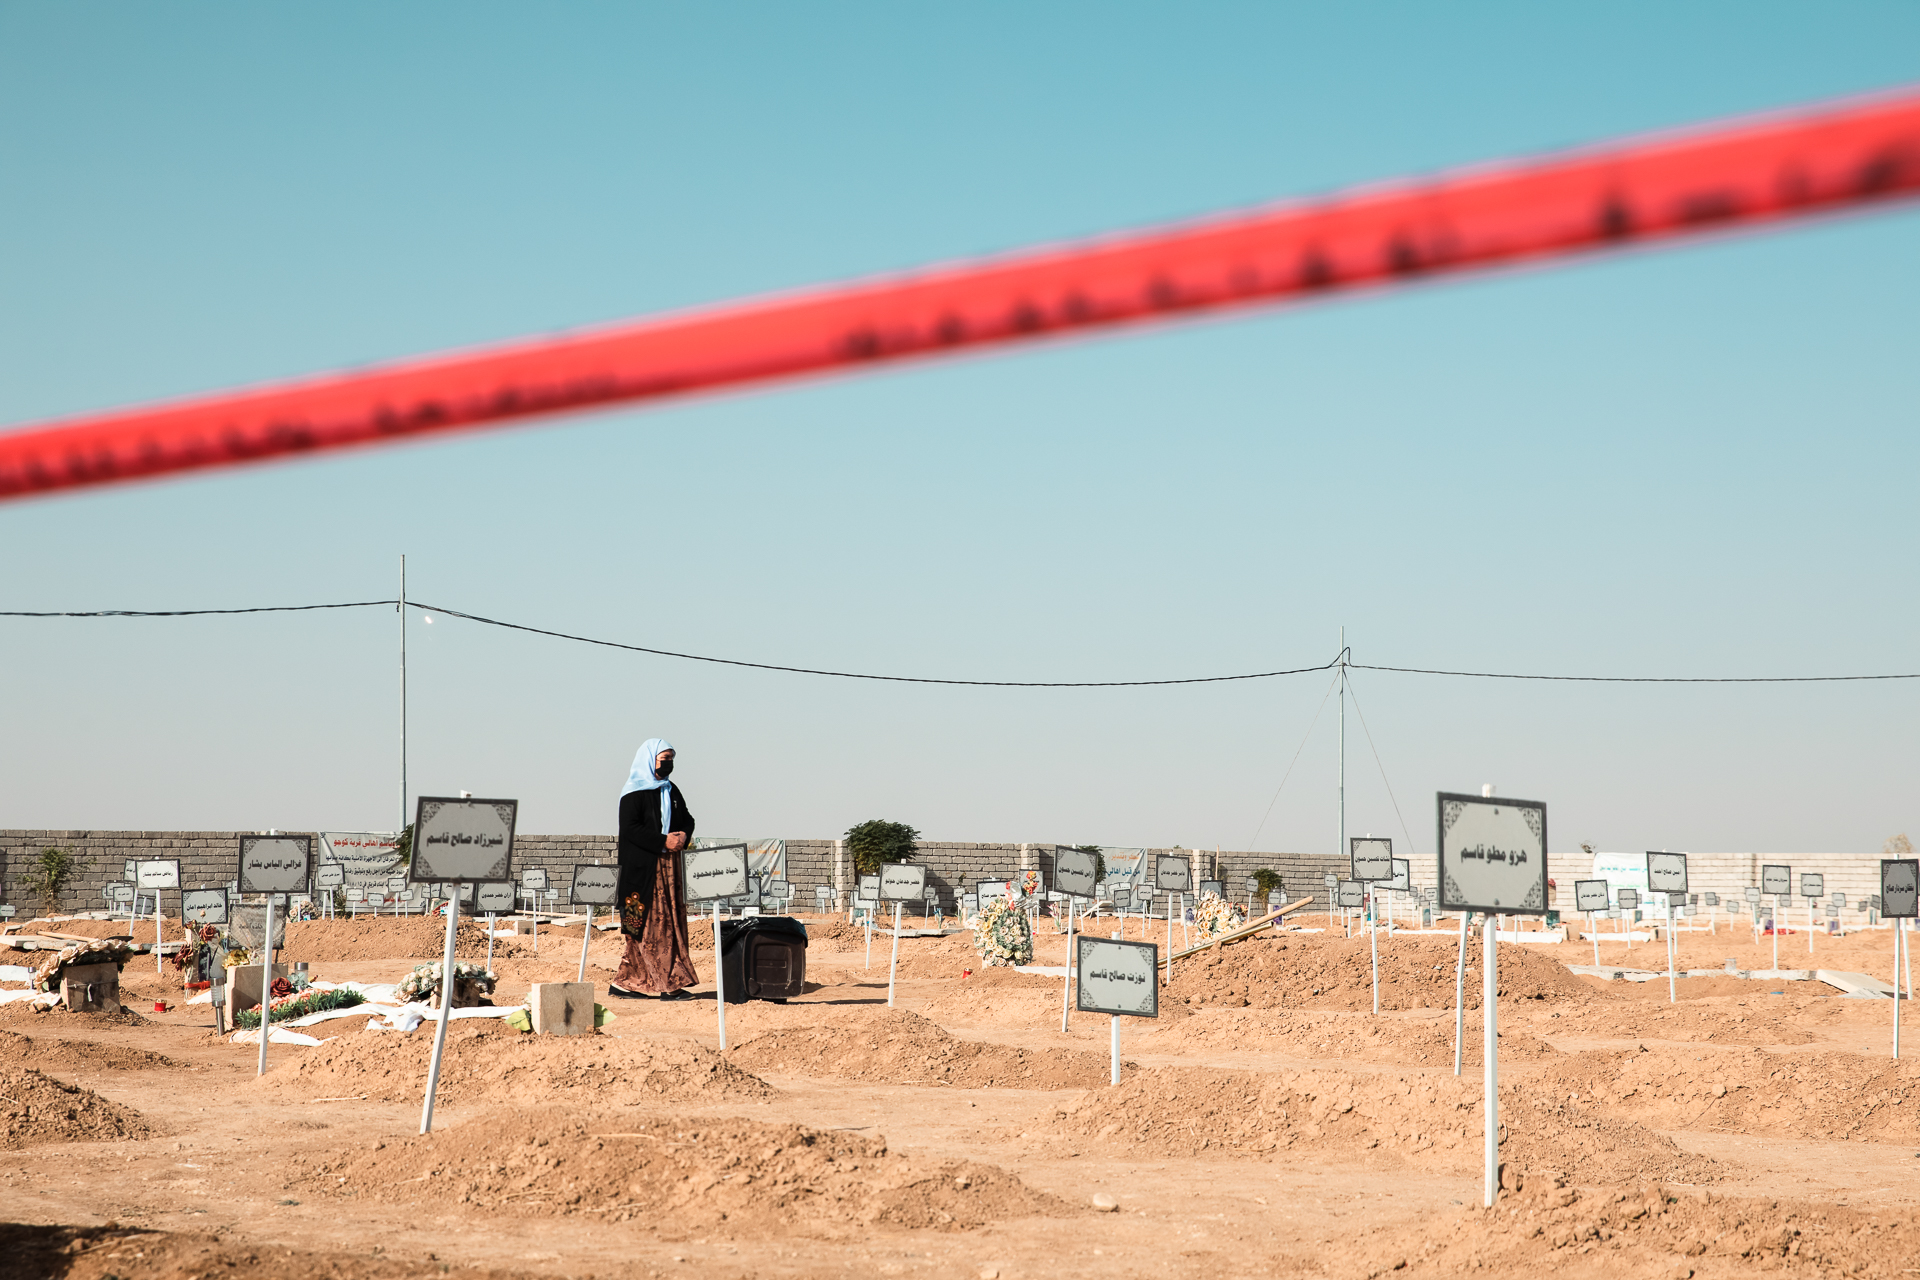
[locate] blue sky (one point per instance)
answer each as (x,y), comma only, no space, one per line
(1692,461)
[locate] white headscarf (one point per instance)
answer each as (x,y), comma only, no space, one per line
(643,778)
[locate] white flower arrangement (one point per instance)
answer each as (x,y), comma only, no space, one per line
(1214,915)
(470,983)
(1002,934)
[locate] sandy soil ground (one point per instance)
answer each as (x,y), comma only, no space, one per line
(1267,1124)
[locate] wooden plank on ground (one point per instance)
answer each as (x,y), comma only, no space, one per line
(1244,931)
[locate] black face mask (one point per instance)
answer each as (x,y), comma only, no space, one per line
(663,770)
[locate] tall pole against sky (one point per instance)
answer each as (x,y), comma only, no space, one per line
(403,694)
(1343,852)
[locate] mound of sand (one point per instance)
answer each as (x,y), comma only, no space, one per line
(486,1062)
(39,1109)
(1648,1230)
(418,938)
(1755,1019)
(19,1013)
(676,1174)
(1340,1036)
(1198,1111)
(76,1056)
(896,1047)
(1305,971)
(1817,1095)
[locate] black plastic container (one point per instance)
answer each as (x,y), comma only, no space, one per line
(765,958)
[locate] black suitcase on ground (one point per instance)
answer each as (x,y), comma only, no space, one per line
(764,957)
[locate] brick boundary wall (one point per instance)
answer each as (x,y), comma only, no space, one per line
(207,860)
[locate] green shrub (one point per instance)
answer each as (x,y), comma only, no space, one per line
(877,841)
(51,874)
(1266,881)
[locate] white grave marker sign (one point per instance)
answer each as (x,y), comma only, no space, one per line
(986,889)
(396,884)
(716,872)
(533,878)
(1402,881)
(356,894)
(1116,977)
(1214,887)
(595,886)
(1590,895)
(496,896)
(157,875)
(870,888)
(1752,894)
(275,864)
(1812,884)
(1074,872)
(1352,893)
(204,906)
(1172,874)
(463,838)
(1776,880)
(902,882)
(1372,858)
(1900,888)
(1629,899)
(329,875)
(1493,855)
(1666,872)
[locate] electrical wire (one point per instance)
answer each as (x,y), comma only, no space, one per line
(1296,759)
(1508,675)
(189,613)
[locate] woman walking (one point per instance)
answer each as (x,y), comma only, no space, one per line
(654,826)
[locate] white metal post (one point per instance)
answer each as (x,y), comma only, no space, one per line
(1672,989)
(446,1015)
(1114,1075)
(893,964)
(1460,994)
(266,989)
(1373,936)
(156,926)
(1066,987)
(402,608)
(585,939)
(1490,1050)
(720,977)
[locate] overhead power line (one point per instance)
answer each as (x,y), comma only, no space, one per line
(997,684)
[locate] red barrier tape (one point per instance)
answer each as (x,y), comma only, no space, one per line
(1782,166)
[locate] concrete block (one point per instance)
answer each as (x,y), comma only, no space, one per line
(243,987)
(562,1008)
(90,988)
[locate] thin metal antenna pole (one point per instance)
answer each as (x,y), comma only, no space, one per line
(1341,851)
(402,608)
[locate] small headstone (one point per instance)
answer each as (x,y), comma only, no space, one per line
(561,1008)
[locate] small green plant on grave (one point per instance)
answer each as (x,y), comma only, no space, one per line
(51,874)
(1266,881)
(1099,860)
(403,850)
(876,842)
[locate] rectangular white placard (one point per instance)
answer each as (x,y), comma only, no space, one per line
(869,887)
(1590,895)
(1492,854)
(1352,893)
(1172,873)
(1372,858)
(533,877)
(159,874)
(1776,880)
(1752,894)
(1122,899)
(1711,899)
(275,864)
(1839,900)
(463,838)
(329,875)
(1629,899)
(982,891)
(398,884)
(496,896)
(1666,872)
(1402,881)
(902,882)
(1117,977)
(356,894)
(1812,884)
(780,889)
(595,886)
(1899,888)
(716,872)
(204,906)
(1214,887)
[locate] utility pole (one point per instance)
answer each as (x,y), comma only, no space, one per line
(401,605)
(1343,851)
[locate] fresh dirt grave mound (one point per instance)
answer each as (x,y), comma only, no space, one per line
(897,1047)
(678,1175)
(1647,1230)
(389,938)
(40,1110)
(75,1057)
(111,1251)
(1754,1019)
(1820,1095)
(1197,1111)
(488,1063)
(19,1013)
(1303,971)
(1341,1036)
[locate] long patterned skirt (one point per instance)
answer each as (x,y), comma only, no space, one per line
(653,919)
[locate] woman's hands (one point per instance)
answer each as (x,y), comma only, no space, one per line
(676,841)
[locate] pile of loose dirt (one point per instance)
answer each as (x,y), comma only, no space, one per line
(419,938)
(1755,1019)
(1817,1095)
(1304,971)
(19,1013)
(76,1056)
(1337,1036)
(39,1109)
(1649,1230)
(677,1174)
(1198,1111)
(896,1047)
(112,1251)
(486,1062)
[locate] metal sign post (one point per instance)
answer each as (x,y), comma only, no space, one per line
(1900,902)
(900,884)
(1372,859)
(1119,979)
(1667,874)
(1075,873)
(1493,859)
(1777,882)
(156,876)
(714,874)
(460,840)
(1812,885)
(593,886)
(1172,875)
(271,865)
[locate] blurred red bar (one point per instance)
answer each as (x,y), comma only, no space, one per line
(1784,165)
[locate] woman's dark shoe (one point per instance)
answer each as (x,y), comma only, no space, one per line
(624,994)
(681,994)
